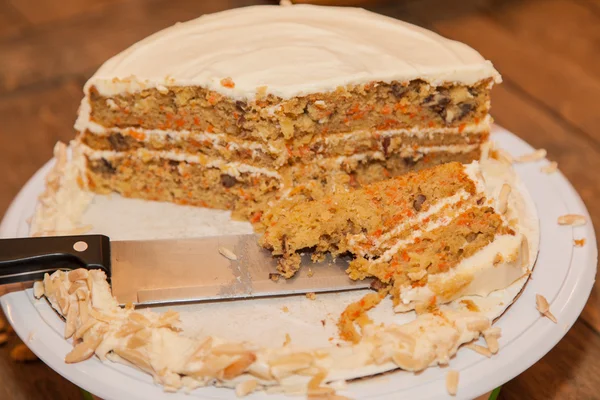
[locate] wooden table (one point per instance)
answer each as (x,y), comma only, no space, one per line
(548,52)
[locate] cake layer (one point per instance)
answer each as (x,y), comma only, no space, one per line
(425,230)
(277,153)
(376,105)
(355,220)
(213,182)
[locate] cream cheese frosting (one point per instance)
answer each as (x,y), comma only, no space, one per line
(291,51)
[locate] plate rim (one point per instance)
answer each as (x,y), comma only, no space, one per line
(85,375)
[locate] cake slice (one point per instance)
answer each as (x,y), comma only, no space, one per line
(431,236)
(220,112)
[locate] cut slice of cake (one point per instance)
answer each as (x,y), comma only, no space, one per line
(220,112)
(432,236)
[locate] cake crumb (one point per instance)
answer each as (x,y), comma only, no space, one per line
(550,168)
(323,322)
(543,307)
(310,273)
(225,252)
(311,296)
(274,277)
(452,382)
(285,309)
(287,340)
(228,82)
(579,242)
(537,155)
(572,220)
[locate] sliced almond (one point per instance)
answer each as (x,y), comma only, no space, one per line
(168,319)
(83,350)
(86,326)
(452,382)
(239,366)
(38,289)
(225,252)
(524,252)
(75,286)
(136,358)
(543,307)
(503,198)
(245,388)
(537,155)
(139,339)
(492,343)
(102,316)
(140,319)
(478,325)
(80,274)
(404,361)
(484,351)
(128,328)
(202,350)
(572,220)
(71,320)
(550,168)
(316,380)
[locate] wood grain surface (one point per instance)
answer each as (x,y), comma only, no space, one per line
(548,52)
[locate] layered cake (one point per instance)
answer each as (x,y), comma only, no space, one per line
(431,236)
(223,112)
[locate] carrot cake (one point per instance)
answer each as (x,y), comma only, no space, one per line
(221,112)
(430,236)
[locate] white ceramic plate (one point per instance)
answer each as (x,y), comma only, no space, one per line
(563,274)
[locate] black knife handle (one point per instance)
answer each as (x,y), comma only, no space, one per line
(27,259)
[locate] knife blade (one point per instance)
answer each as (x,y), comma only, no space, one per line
(172,270)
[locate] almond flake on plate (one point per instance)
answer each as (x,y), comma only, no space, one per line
(225,252)
(550,168)
(452,382)
(537,155)
(543,307)
(484,351)
(572,220)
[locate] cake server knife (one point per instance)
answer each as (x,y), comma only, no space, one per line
(173,270)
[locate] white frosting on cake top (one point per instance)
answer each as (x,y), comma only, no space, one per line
(293,51)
